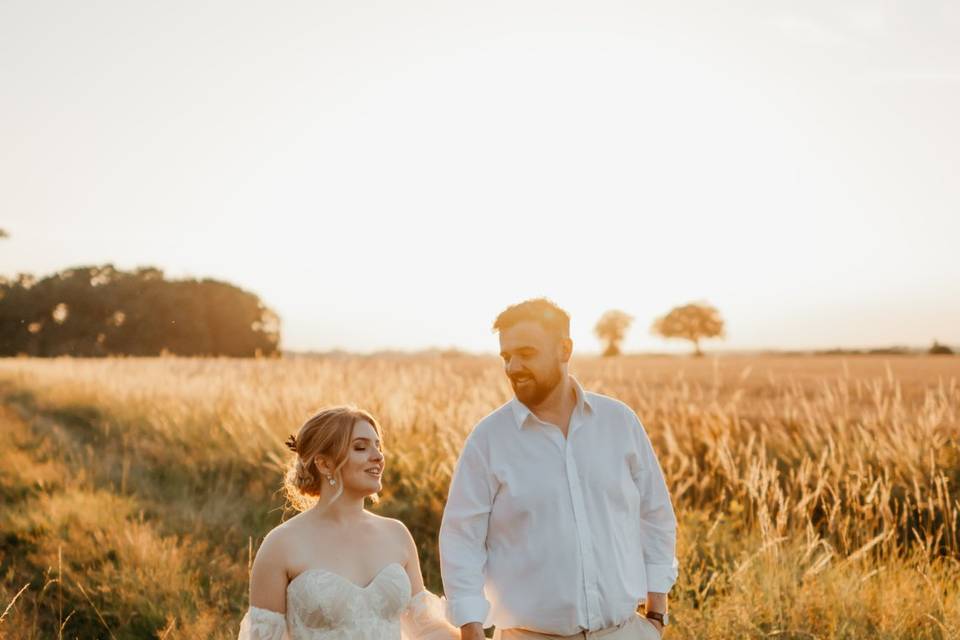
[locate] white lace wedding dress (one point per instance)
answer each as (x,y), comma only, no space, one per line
(325,606)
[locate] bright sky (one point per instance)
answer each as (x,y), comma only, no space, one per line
(393,174)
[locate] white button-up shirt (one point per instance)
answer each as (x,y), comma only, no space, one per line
(553,534)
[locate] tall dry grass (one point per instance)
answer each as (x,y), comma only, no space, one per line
(816,496)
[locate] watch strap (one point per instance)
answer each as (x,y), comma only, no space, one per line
(659,617)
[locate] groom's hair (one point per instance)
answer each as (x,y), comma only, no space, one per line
(551,317)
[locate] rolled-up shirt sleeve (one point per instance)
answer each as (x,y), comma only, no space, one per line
(463,538)
(658,523)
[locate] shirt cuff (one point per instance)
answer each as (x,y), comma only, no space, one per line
(660,577)
(463,610)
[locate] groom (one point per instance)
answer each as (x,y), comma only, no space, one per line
(558,523)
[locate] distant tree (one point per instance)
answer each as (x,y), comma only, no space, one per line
(96,311)
(940,349)
(611,328)
(693,322)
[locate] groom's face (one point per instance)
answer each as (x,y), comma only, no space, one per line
(533,360)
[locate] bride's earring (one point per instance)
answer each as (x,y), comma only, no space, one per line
(332,482)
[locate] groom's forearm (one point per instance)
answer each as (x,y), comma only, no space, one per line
(656,602)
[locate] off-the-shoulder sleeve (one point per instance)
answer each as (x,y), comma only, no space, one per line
(424,619)
(263,624)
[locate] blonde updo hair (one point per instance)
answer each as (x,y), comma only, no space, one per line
(327,434)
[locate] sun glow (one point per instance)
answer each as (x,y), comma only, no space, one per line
(388,178)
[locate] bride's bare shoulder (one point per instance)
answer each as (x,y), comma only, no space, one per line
(391,527)
(405,548)
(285,532)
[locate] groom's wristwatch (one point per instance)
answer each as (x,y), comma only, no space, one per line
(662,618)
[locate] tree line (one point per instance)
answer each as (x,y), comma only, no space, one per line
(101,311)
(697,321)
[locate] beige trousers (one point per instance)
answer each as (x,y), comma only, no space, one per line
(635,628)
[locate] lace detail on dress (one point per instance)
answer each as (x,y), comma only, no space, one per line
(325,606)
(328,606)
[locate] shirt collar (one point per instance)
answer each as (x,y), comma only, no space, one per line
(522,413)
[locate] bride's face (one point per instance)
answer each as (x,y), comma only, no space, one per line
(362,472)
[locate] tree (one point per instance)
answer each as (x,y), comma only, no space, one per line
(611,328)
(940,349)
(693,322)
(97,311)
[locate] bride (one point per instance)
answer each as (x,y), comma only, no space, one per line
(335,571)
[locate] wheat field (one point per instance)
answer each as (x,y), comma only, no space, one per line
(817,497)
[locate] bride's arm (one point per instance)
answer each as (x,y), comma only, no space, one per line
(262,624)
(265,620)
(424,618)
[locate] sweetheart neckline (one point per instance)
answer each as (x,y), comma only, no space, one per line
(347,580)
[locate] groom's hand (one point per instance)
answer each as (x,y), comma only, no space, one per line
(472,631)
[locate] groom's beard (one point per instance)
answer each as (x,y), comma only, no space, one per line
(535,390)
